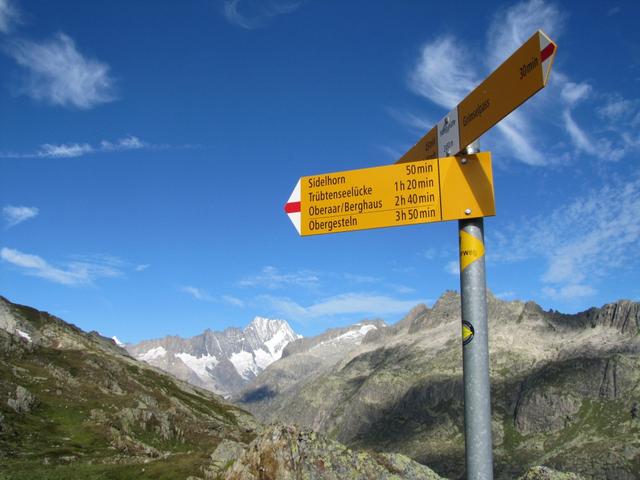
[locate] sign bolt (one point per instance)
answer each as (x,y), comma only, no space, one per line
(463,160)
(467,211)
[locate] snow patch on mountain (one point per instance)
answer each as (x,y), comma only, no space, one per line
(244,364)
(153,354)
(353,337)
(280,340)
(200,365)
(117,341)
(24,335)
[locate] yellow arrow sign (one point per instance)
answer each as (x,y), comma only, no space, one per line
(422,192)
(523,74)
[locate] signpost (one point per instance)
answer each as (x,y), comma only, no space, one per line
(434,190)
(520,76)
(428,185)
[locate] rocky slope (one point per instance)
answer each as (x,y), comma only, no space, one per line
(565,389)
(75,405)
(222,362)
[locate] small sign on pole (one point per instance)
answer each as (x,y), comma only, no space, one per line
(523,74)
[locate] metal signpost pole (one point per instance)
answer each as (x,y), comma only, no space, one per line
(475,360)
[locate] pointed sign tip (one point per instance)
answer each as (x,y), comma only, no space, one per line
(292,207)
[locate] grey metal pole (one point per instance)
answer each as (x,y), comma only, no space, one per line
(475,350)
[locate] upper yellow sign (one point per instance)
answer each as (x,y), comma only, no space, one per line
(421,192)
(523,74)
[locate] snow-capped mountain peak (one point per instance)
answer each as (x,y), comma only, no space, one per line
(220,361)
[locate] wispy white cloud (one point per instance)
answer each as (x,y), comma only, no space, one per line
(616,108)
(251,14)
(417,122)
(72,150)
(443,73)
(578,136)
(204,296)
(74,273)
(356,278)
(127,143)
(391,152)
(344,304)
(15,215)
(517,132)
(569,292)
(271,278)
(58,74)
(141,267)
(9,16)
(602,148)
(573,93)
(197,293)
(581,242)
(231,300)
(401,289)
(63,150)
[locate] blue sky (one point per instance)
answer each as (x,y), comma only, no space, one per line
(147,149)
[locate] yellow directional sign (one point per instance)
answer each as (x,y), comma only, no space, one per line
(523,74)
(420,192)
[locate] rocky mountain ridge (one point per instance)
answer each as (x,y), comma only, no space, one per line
(563,388)
(222,362)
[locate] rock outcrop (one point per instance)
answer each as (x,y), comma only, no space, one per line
(290,453)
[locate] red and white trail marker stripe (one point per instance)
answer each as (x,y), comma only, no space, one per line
(547,50)
(292,207)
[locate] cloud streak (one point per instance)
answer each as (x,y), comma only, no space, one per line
(442,73)
(58,74)
(271,278)
(74,150)
(75,273)
(204,296)
(252,14)
(9,16)
(580,242)
(16,215)
(343,304)
(197,293)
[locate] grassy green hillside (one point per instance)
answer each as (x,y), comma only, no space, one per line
(74,405)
